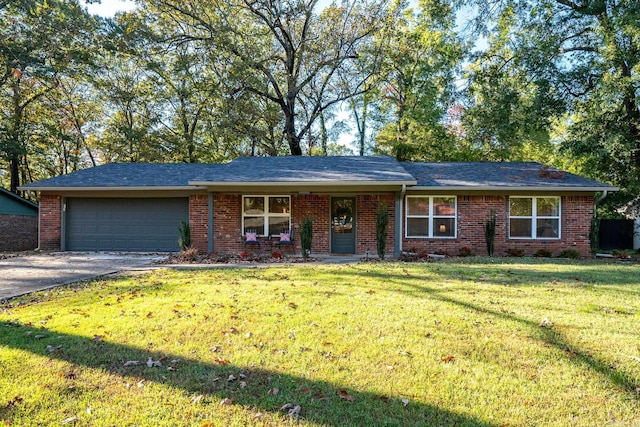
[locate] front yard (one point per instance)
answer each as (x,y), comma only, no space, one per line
(471,342)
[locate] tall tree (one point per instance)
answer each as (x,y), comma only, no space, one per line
(418,83)
(39,41)
(582,57)
(278,50)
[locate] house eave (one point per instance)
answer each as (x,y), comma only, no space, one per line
(510,188)
(105,189)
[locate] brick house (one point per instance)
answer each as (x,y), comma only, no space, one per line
(431,206)
(18,222)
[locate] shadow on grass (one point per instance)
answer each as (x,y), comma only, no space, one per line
(557,340)
(320,401)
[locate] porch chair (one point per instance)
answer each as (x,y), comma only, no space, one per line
(286,239)
(251,238)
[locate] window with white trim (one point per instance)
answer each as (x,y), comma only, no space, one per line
(268,215)
(430,216)
(534,217)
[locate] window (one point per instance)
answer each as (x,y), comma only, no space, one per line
(431,216)
(534,217)
(268,215)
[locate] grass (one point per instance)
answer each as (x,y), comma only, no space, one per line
(473,342)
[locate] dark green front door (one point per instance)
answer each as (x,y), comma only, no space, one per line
(343,225)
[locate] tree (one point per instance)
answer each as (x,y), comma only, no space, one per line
(287,53)
(41,40)
(580,61)
(418,83)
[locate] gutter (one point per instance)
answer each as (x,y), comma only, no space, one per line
(477,188)
(136,188)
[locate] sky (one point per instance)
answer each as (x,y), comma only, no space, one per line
(108,8)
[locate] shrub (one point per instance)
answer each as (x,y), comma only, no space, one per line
(465,251)
(382,221)
(245,254)
(569,253)
(188,255)
(276,254)
(306,236)
(184,241)
(490,232)
(543,253)
(516,252)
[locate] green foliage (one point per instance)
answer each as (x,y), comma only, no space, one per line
(382,223)
(465,251)
(515,252)
(569,253)
(306,236)
(184,230)
(543,253)
(490,232)
(594,234)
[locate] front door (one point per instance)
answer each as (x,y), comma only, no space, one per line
(343,225)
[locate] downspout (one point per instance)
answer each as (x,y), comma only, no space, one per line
(210,246)
(604,194)
(399,221)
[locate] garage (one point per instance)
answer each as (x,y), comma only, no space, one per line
(124,224)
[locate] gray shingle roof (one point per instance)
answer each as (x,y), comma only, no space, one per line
(496,174)
(130,175)
(318,169)
(321,170)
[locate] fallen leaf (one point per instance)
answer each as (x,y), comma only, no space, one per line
(40,336)
(171,368)
(405,401)
(273,391)
(215,348)
(197,399)
(242,376)
(286,406)
(97,338)
(140,384)
(448,359)
(226,402)
(295,412)
(206,424)
(231,378)
(131,363)
(221,361)
(243,384)
(151,363)
(70,420)
(258,416)
(15,401)
(370,292)
(346,396)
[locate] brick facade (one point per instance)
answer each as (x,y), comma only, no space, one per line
(473,211)
(199,221)
(50,222)
(367,212)
(18,232)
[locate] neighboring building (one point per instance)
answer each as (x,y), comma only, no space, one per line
(18,223)
(432,206)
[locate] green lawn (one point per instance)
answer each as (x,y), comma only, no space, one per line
(477,342)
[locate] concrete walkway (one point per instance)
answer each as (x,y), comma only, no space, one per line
(26,274)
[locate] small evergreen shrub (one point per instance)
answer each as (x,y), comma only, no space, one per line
(543,253)
(184,239)
(490,232)
(465,251)
(306,237)
(569,253)
(382,221)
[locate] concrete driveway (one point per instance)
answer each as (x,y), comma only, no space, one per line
(22,275)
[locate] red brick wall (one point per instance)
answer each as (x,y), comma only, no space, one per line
(227,223)
(473,211)
(18,232)
(318,207)
(50,222)
(366,211)
(198,221)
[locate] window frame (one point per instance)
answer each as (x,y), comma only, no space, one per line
(431,217)
(534,217)
(266,214)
